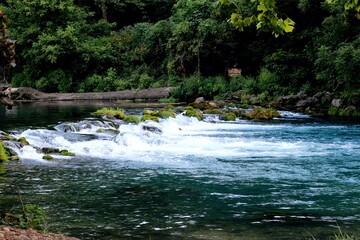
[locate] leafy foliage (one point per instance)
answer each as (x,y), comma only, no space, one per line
(108,45)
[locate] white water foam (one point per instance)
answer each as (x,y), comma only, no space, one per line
(173,140)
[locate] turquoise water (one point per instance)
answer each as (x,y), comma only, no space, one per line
(291,178)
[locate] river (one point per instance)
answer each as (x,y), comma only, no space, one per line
(295,177)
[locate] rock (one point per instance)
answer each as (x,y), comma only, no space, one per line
(23,141)
(262,113)
(309,102)
(254,100)
(11,233)
(66,153)
(132,119)
(336,103)
(199,100)
(214,111)
(195,113)
(150,112)
(349,111)
(48,157)
(166,114)
(48,150)
(149,117)
(152,129)
(230,117)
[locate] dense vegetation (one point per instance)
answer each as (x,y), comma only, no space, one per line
(105,45)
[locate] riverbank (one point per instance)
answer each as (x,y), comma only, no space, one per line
(10,233)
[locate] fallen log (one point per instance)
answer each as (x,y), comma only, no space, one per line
(152,94)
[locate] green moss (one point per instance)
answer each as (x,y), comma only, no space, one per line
(111,113)
(332,111)
(150,112)
(230,117)
(131,119)
(170,107)
(66,153)
(166,114)
(48,157)
(195,113)
(100,130)
(189,108)
(23,141)
(4,154)
(214,111)
(168,100)
(232,105)
(148,117)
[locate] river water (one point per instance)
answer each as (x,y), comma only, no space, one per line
(295,177)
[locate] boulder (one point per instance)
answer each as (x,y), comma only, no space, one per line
(336,103)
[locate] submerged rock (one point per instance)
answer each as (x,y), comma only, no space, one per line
(152,129)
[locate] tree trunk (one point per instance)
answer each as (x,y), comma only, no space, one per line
(104,10)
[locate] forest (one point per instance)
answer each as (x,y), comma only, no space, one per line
(112,45)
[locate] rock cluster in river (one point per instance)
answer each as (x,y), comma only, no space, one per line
(321,104)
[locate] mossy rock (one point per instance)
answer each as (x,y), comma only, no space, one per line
(132,119)
(48,157)
(149,117)
(109,131)
(237,112)
(262,114)
(4,136)
(195,113)
(111,113)
(150,112)
(23,141)
(189,108)
(214,111)
(232,105)
(170,107)
(48,150)
(230,116)
(4,154)
(179,109)
(66,153)
(166,114)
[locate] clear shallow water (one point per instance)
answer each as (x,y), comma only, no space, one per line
(291,178)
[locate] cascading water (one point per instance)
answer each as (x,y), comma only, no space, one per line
(187,179)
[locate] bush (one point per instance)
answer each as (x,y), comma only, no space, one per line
(54,81)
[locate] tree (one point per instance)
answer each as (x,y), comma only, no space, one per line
(59,44)
(265,16)
(7,61)
(197,34)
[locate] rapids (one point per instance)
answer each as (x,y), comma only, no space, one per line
(181,178)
